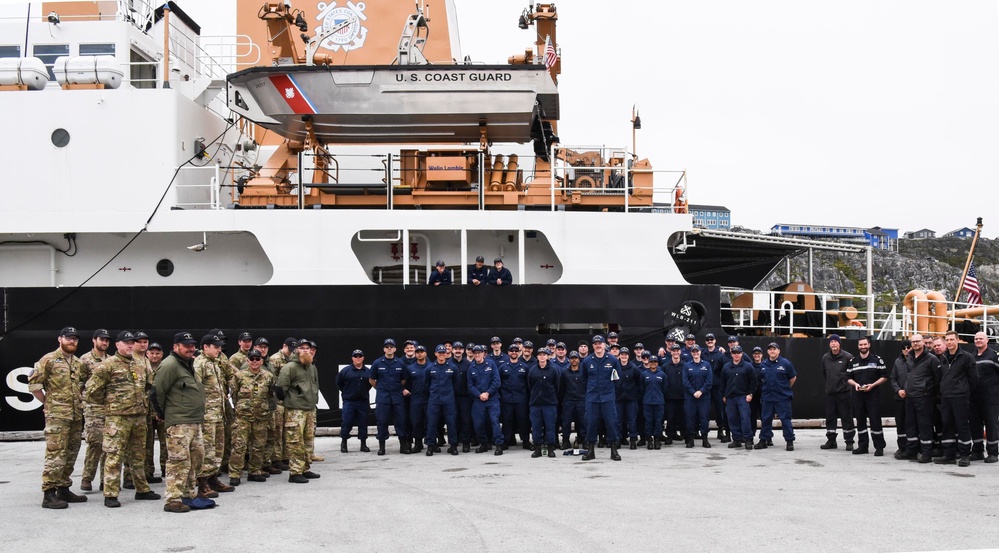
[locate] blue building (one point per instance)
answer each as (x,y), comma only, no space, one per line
(877,237)
(962,233)
(714,217)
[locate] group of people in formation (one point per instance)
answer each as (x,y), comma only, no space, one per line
(255,414)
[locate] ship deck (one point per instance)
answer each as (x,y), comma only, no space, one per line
(698,499)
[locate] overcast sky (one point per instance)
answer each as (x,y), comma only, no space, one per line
(851,112)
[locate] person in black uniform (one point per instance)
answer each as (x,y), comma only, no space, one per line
(676,424)
(865,373)
(442,378)
(920,386)
(899,371)
(514,409)
(440,276)
(984,408)
(834,363)
(499,275)
(629,395)
(478,273)
(355,386)
(756,404)
(462,399)
(542,385)
(573,391)
(958,376)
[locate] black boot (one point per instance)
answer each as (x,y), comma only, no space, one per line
(726,437)
(51,501)
(537,451)
(633,443)
(566,444)
(381,447)
(364,446)
(466,447)
(642,441)
(404,447)
(482,448)
(430,451)
(417,445)
(705,443)
(689,442)
(527,445)
(343,445)
(830,443)
(453,450)
(615,456)
(551,449)
(721,433)
(591,452)
(651,445)
(70,497)
(655,443)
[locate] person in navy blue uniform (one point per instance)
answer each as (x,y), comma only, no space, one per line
(388,378)
(484,386)
(355,387)
(778,377)
(478,273)
(899,372)
(738,385)
(542,383)
(499,275)
(696,379)
(629,396)
(496,355)
(514,411)
(573,391)
(676,425)
(865,373)
(653,401)
(600,369)
(527,354)
(440,276)
(689,341)
(717,357)
(754,405)
(462,399)
(442,379)
(418,392)
(561,358)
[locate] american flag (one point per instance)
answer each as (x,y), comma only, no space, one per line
(971,286)
(551,56)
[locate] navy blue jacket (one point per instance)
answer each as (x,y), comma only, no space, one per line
(503,274)
(461,387)
(498,360)
(738,379)
(559,365)
(776,376)
(866,371)
(443,381)
(654,387)
(483,377)
(717,360)
(674,379)
(478,274)
(417,384)
(437,276)
(513,382)
(597,372)
(573,385)
(697,377)
(629,386)
(543,384)
(389,375)
(353,383)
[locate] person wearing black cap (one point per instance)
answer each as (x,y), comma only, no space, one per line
(716,356)
(572,388)
(239,358)
(388,378)
(600,370)
(418,391)
(54,381)
(629,397)
(355,385)
(298,386)
(689,341)
(527,354)
(778,376)
(755,404)
(696,378)
(899,373)
(179,399)
(462,399)
(612,339)
(442,379)
(838,405)
(252,390)
(440,276)
(865,373)
(157,432)
(93,413)
(279,462)
(121,383)
(542,385)
(215,377)
(484,386)
(499,275)
(139,354)
(653,401)
(514,409)
(676,423)
(478,273)
(738,383)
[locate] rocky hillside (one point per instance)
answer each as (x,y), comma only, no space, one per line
(933,264)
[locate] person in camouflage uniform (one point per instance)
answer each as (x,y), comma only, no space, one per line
(228,417)
(157,432)
(139,355)
(252,388)
(279,460)
(241,357)
(298,386)
(122,382)
(213,373)
(55,381)
(93,413)
(179,399)
(310,419)
(262,345)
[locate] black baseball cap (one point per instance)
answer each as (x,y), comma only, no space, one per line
(421,348)
(513,347)
(495,339)
(690,337)
(101,333)
(652,359)
(773,345)
(709,336)
(219,333)
(184,338)
(573,354)
(141,335)
(303,342)
(245,336)
(388,342)
(598,339)
(255,354)
(155,345)
(441,348)
(551,342)
(675,347)
(639,346)
(757,349)
(736,349)
(517,340)
(545,351)
(70,331)
(290,342)
(498,260)
(528,345)
(357,353)
(733,339)
(480,259)
(457,345)
(261,340)
(624,349)
(125,336)
(211,339)
(612,334)
(646,355)
(695,347)
(440,263)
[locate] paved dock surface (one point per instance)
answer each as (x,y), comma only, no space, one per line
(675,499)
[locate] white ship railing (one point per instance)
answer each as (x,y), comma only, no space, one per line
(193,193)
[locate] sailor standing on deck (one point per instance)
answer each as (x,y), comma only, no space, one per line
(920,398)
(499,275)
(418,391)
(478,273)
(865,373)
(484,386)
(834,364)
(629,398)
(778,376)
(440,275)
(958,376)
(388,378)
(442,379)
(93,413)
(298,386)
(572,387)
(675,420)
(696,379)
(653,401)
(542,384)
(600,370)
(738,383)
(462,399)
(355,388)
(55,383)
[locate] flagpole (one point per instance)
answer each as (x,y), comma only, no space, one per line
(967,264)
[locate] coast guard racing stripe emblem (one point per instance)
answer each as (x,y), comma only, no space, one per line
(290,91)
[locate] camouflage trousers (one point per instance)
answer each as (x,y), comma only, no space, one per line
(310,432)
(280,450)
(185,453)
(62,445)
(249,432)
(271,441)
(296,428)
(213,436)
(155,432)
(124,438)
(93,432)
(229,422)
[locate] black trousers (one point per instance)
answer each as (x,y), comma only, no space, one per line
(838,406)
(919,424)
(516,418)
(984,415)
(900,422)
(675,420)
(867,407)
(956,439)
